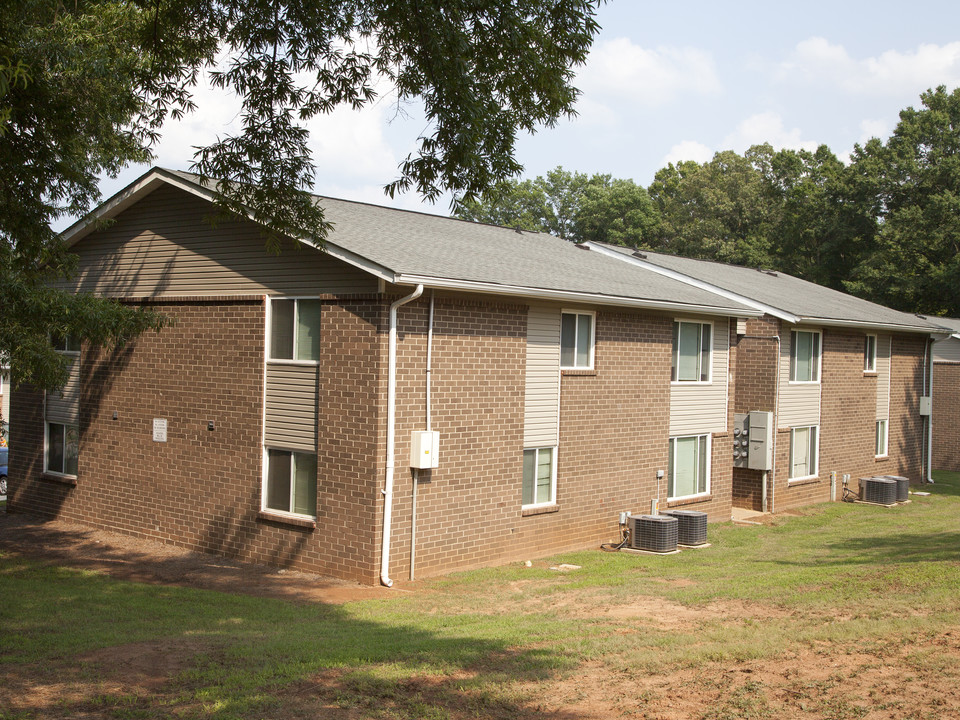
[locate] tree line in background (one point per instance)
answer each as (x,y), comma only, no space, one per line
(885,226)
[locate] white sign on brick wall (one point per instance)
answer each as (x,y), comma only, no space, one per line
(159,429)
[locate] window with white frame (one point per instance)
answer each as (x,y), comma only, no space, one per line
(62,449)
(688,466)
(291,482)
(803,452)
(576,340)
(881,438)
(65,344)
(870,354)
(295,329)
(804,356)
(692,351)
(539,476)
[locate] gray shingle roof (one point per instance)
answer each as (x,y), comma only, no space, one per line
(418,245)
(951,324)
(788,294)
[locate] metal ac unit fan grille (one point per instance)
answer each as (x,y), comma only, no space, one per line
(653,533)
(691,526)
(903,487)
(881,491)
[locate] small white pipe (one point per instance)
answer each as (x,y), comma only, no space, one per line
(391,432)
(416,473)
(929,392)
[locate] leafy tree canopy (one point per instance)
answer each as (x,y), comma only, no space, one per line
(570,205)
(914,181)
(86,85)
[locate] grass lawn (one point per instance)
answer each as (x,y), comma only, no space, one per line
(845,611)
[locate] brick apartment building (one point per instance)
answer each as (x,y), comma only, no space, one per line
(278,417)
(946,397)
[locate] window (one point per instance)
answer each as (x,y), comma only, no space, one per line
(295,330)
(291,482)
(688,467)
(881,438)
(576,341)
(539,473)
(68,344)
(870,354)
(803,452)
(63,448)
(804,356)
(692,351)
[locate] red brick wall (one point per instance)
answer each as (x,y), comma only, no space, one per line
(201,489)
(848,419)
(756,385)
(946,416)
(614,424)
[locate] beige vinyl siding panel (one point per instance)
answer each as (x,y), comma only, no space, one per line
(64,407)
(883,376)
(541,419)
(290,416)
(799,402)
(162,246)
(947,350)
(697,409)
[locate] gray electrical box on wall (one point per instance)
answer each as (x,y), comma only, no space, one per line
(760,446)
(424,449)
(741,440)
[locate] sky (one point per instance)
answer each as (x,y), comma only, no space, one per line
(665,82)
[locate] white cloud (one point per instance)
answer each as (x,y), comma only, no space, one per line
(766,127)
(817,61)
(687,150)
(619,69)
(874,129)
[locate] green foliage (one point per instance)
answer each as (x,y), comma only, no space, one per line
(570,205)
(914,263)
(86,86)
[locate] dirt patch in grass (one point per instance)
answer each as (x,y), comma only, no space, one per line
(814,682)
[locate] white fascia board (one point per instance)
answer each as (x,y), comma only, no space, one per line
(674,275)
(862,325)
(156,177)
(571,296)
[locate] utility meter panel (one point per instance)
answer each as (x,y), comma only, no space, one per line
(760,455)
(424,449)
(741,440)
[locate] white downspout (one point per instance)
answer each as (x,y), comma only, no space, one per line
(391,432)
(929,392)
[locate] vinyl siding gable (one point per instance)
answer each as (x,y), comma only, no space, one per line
(164,246)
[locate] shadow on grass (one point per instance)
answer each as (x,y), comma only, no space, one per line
(74,641)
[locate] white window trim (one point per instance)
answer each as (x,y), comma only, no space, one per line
(263,483)
(792,361)
(709,470)
(593,339)
(870,368)
(675,359)
(553,479)
(816,457)
(46,446)
(268,337)
(886,437)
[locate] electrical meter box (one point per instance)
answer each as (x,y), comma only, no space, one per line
(760,446)
(926,405)
(424,449)
(741,440)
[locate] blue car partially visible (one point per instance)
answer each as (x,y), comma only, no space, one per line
(3,470)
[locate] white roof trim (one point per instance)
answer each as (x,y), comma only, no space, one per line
(569,295)
(833,322)
(673,274)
